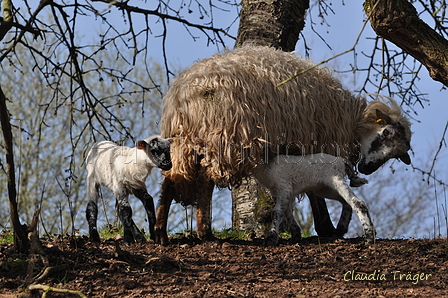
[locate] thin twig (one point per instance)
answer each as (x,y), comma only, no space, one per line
(329,59)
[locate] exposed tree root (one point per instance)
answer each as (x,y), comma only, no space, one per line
(47,289)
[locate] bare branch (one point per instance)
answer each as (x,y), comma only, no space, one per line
(398,22)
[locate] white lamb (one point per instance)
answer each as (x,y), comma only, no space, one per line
(124,170)
(289,176)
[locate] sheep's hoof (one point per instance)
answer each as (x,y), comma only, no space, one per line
(161,237)
(271,239)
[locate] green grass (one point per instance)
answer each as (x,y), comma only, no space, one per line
(232,234)
(110,231)
(7,237)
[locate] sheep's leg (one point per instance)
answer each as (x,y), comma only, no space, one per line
(344,220)
(148,203)
(322,222)
(204,210)
(278,216)
(294,228)
(167,195)
(131,231)
(92,211)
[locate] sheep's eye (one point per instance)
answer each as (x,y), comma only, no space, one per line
(386,132)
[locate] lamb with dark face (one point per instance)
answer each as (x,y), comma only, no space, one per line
(124,171)
(158,151)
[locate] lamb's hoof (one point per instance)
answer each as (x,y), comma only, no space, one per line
(357,181)
(271,239)
(94,236)
(139,238)
(370,238)
(295,239)
(369,241)
(128,240)
(340,232)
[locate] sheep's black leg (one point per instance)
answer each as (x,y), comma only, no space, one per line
(322,222)
(92,212)
(125,215)
(148,203)
(166,197)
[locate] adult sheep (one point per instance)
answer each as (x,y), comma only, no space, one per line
(228,112)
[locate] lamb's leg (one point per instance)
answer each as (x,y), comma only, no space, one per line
(148,203)
(124,209)
(344,220)
(359,206)
(166,197)
(322,221)
(92,210)
(278,216)
(294,228)
(346,214)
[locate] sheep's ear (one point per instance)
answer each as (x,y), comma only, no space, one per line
(141,144)
(382,118)
(154,143)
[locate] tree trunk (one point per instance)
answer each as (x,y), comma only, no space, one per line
(275,23)
(398,22)
(21,243)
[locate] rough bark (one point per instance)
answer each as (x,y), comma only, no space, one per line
(251,207)
(275,23)
(398,22)
(21,243)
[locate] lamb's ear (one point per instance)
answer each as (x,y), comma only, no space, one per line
(141,144)
(382,118)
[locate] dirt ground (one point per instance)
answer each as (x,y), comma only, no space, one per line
(233,268)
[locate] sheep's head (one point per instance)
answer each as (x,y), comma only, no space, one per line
(389,139)
(158,150)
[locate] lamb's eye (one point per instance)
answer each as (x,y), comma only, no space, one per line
(386,132)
